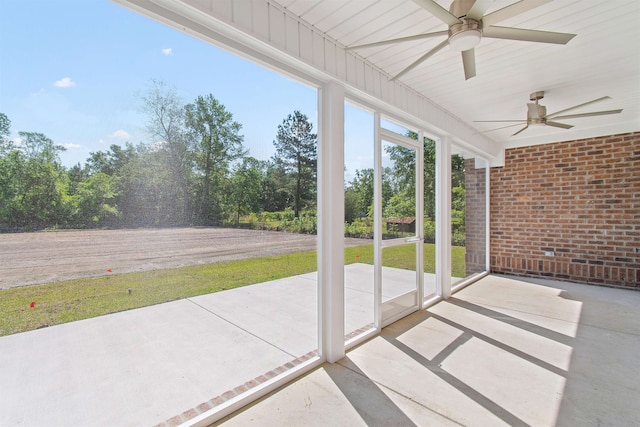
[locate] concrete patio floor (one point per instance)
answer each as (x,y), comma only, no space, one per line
(503,351)
(145,366)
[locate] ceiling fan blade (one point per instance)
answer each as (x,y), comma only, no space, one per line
(512,10)
(469,63)
(559,125)
(401,39)
(500,121)
(524,128)
(438,11)
(509,33)
(595,113)
(420,60)
(549,116)
(478,9)
(502,127)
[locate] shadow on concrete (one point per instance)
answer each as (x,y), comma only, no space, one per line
(366,397)
(434,365)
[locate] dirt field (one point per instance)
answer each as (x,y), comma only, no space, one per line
(46,257)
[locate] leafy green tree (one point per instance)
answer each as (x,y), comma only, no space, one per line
(35,145)
(245,188)
(275,196)
(296,151)
(7,166)
(404,174)
(34,193)
(400,206)
(77,174)
(112,162)
(6,145)
(147,194)
(457,171)
(361,187)
(116,163)
(95,197)
(166,126)
(429,183)
(217,143)
(401,202)
(351,211)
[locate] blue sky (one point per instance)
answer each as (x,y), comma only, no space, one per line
(76,70)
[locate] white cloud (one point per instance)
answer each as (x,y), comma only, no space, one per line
(71,146)
(101,141)
(64,82)
(167,51)
(122,134)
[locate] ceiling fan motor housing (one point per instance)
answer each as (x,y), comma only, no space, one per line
(537,114)
(466,34)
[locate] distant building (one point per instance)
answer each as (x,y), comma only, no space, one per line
(401,225)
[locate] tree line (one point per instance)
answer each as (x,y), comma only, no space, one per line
(196,172)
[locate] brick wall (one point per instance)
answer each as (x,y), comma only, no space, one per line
(569,210)
(475,217)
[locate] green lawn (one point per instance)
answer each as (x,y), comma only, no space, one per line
(71,300)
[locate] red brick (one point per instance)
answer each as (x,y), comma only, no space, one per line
(229,394)
(189,414)
(580,197)
(218,400)
(175,421)
(204,407)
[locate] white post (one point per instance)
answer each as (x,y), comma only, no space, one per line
(443,217)
(331,221)
(420,218)
(487,222)
(377,222)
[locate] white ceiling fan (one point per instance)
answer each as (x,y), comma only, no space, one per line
(537,114)
(468,25)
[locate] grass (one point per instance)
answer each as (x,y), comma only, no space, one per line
(71,300)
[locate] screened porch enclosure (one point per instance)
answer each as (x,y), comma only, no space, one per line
(405,324)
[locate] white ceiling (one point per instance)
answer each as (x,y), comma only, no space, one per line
(602,60)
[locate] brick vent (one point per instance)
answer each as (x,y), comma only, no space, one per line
(570,211)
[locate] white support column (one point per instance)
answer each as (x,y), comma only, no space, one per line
(420,218)
(331,221)
(443,217)
(377,222)
(487,216)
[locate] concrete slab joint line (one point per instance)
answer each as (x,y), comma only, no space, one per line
(240,327)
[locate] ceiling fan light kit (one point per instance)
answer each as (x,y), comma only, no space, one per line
(465,36)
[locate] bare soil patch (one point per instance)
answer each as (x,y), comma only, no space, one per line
(53,256)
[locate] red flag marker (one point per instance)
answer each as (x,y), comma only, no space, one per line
(109,271)
(32,305)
